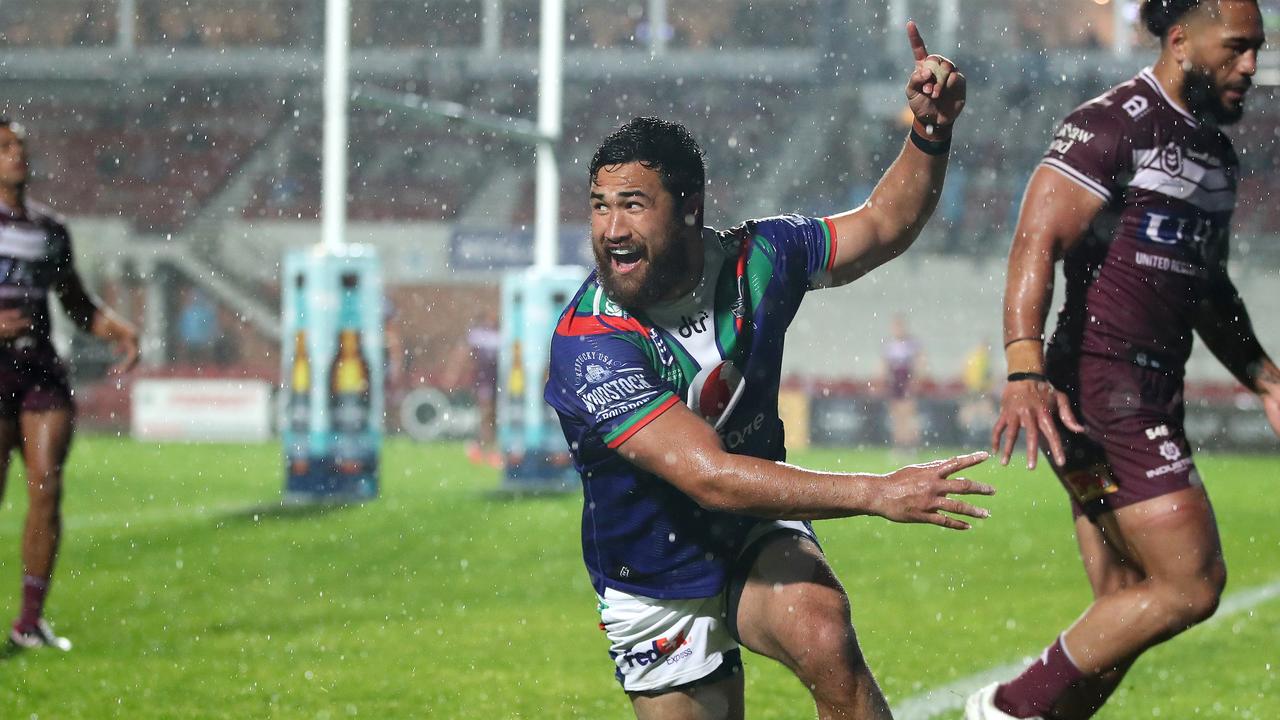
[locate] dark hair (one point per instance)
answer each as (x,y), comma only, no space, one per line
(1160,15)
(665,147)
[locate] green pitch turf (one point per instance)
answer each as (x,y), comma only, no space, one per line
(190,593)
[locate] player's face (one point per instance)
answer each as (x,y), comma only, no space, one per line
(1223,56)
(13,159)
(640,244)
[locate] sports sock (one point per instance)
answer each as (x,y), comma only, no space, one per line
(34,590)
(1033,692)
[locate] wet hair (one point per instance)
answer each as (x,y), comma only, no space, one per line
(1160,15)
(667,148)
(13,125)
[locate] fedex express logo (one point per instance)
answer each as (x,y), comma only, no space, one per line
(656,651)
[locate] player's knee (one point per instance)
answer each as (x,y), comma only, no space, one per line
(1194,600)
(824,638)
(1204,594)
(44,489)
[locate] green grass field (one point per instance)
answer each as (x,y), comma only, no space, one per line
(190,594)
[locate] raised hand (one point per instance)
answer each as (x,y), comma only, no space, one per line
(1032,404)
(935,90)
(920,493)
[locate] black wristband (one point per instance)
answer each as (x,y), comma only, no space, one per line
(1038,377)
(930,147)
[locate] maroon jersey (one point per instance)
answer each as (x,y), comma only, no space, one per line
(1134,282)
(35,256)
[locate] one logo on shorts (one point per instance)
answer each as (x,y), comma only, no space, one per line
(1170,451)
(657,650)
(1158,431)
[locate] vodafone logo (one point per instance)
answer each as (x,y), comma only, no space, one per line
(715,391)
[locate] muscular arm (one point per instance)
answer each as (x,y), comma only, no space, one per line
(681,448)
(98,320)
(904,199)
(1223,324)
(892,218)
(1055,214)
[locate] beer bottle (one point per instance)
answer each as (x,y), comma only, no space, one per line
(349,387)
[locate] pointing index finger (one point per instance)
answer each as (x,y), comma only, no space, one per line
(960,462)
(917,43)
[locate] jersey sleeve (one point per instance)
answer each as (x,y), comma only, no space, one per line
(604,386)
(806,246)
(1088,149)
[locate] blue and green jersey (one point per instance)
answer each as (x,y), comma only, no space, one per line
(719,351)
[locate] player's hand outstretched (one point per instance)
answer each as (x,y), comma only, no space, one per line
(1032,404)
(920,493)
(936,89)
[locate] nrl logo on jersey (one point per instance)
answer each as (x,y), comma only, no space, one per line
(613,309)
(1171,159)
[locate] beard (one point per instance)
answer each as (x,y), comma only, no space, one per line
(666,265)
(1204,98)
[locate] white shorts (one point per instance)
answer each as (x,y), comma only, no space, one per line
(659,645)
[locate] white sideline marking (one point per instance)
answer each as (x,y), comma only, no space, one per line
(952,695)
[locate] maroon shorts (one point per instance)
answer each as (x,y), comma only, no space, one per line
(1134,447)
(32,382)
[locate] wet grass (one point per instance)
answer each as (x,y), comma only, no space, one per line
(191,592)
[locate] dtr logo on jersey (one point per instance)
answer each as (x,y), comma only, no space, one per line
(715,392)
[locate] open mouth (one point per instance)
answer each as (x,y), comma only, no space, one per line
(625,259)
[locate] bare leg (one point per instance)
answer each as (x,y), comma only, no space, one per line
(1108,572)
(1173,541)
(794,610)
(715,701)
(8,441)
(46,439)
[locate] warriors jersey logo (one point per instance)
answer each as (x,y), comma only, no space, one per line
(715,392)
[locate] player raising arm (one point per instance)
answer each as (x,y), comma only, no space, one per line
(665,370)
(1135,198)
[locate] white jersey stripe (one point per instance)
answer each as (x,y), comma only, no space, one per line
(1080,178)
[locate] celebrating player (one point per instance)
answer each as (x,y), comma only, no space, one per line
(36,410)
(1135,196)
(695,534)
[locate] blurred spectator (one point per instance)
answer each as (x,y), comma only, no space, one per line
(198,327)
(477,360)
(903,363)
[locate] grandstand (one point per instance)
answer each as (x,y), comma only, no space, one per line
(183,141)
